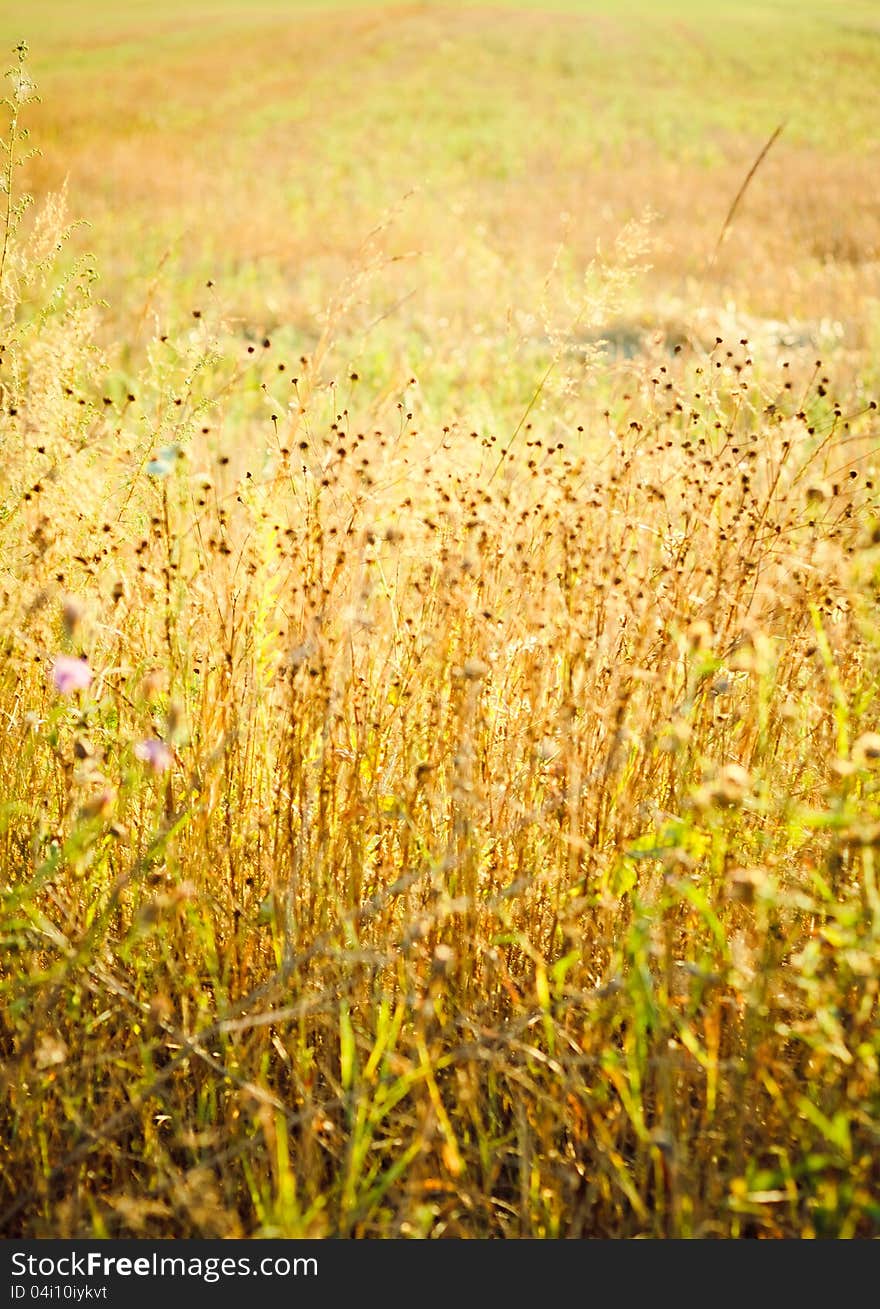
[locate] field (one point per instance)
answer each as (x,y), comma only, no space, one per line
(440,617)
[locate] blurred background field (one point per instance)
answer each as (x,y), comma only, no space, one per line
(261,146)
(439,597)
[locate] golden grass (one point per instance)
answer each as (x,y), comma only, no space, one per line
(469,826)
(258,146)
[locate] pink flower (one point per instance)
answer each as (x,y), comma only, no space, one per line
(155,754)
(70,674)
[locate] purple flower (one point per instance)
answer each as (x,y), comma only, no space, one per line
(155,754)
(70,674)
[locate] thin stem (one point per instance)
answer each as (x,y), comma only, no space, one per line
(10,166)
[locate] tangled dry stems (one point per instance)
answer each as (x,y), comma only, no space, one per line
(444,844)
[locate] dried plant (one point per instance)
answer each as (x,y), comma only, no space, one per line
(399,840)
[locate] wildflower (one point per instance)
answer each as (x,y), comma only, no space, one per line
(729,788)
(98,805)
(744,884)
(866,750)
(154,753)
(151,686)
(70,674)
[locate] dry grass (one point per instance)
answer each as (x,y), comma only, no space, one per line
(468,826)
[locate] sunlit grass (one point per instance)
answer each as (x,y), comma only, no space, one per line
(438,793)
